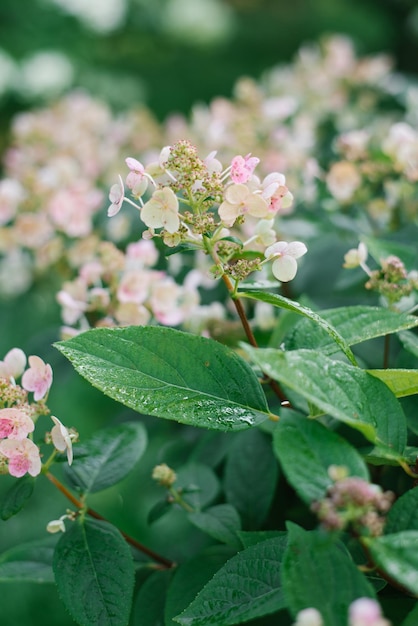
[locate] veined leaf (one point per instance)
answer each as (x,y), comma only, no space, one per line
(397,555)
(94,572)
(29,562)
(290,305)
(170,374)
(248,586)
(354,323)
(319,572)
(306,449)
(347,393)
(107,457)
(401,382)
(403,514)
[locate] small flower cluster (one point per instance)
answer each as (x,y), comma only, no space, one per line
(361,612)
(19,455)
(353,502)
(115,288)
(392,281)
(215,199)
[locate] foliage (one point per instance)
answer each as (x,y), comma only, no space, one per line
(268,384)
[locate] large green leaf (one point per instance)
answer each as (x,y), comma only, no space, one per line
(347,393)
(29,562)
(250,477)
(401,382)
(319,572)
(94,573)
(199,484)
(397,556)
(149,604)
(319,321)
(306,449)
(170,374)
(354,323)
(107,457)
(248,586)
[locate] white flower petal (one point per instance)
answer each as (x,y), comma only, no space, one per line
(284,268)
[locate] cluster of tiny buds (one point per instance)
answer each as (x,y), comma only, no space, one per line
(392,280)
(352,501)
(164,475)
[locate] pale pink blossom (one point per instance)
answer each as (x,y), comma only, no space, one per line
(132,314)
(38,378)
(239,200)
(15,424)
(162,210)
(284,266)
(134,286)
(61,438)
(11,195)
(23,456)
(242,168)
(356,257)
(172,303)
(343,179)
(366,612)
(136,180)
(309,617)
(141,253)
(116,197)
(72,209)
(13,364)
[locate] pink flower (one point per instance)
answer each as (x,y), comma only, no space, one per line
(239,200)
(134,286)
(61,438)
(38,378)
(15,424)
(23,457)
(284,266)
(137,179)
(13,364)
(116,197)
(242,168)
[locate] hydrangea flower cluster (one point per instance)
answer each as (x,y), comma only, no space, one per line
(19,455)
(361,612)
(200,204)
(352,501)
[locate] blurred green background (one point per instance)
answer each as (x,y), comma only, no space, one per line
(167,54)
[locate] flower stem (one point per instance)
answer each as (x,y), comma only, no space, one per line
(164,563)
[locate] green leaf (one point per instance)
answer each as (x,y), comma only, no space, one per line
(107,457)
(94,573)
(397,555)
(29,562)
(16,497)
(290,305)
(250,477)
(160,508)
(220,522)
(306,449)
(250,538)
(198,483)
(319,572)
(354,323)
(148,609)
(347,393)
(190,577)
(403,514)
(170,374)
(248,586)
(401,382)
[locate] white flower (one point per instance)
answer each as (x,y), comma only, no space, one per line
(116,197)
(356,256)
(162,210)
(309,617)
(284,266)
(61,438)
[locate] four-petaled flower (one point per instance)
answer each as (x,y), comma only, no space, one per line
(162,210)
(23,456)
(284,266)
(240,200)
(116,197)
(242,168)
(15,424)
(38,378)
(61,438)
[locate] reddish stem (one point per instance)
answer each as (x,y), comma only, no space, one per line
(165,563)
